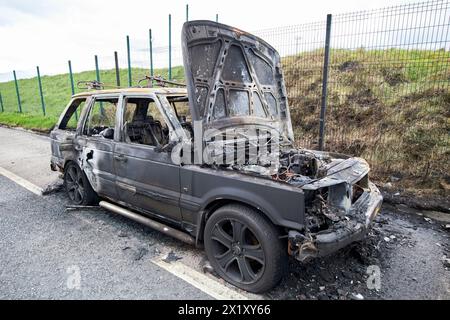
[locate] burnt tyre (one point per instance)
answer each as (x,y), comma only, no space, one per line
(244,248)
(78,187)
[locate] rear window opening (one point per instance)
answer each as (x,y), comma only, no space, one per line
(101,118)
(70,120)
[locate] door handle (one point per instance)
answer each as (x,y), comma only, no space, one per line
(121,158)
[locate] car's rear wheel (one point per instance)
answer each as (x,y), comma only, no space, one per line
(244,248)
(78,187)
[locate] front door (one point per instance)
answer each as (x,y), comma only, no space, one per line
(146,177)
(96,144)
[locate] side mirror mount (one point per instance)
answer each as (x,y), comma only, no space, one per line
(166,148)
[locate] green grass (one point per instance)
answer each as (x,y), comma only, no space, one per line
(57,93)
(391,107)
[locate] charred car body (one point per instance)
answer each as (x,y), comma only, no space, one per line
(132,148)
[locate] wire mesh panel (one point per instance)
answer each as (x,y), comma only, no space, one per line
(388,86)
(388,90)
(7,91)
(301,48)
(161,62)
(28,91)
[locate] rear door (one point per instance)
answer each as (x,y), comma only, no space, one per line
(146,176)
(96,145)
(64,132)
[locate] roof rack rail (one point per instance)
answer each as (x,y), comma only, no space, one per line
(93,85)
(159,82)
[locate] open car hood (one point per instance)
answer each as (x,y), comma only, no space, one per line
(234,79)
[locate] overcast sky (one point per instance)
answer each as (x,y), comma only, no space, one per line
(49,32)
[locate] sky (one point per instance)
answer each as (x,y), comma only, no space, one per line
(50,32)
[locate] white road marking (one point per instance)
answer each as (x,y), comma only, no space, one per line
(21,181)
(206,284)
(202,282)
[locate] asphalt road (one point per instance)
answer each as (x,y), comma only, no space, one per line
(49,252)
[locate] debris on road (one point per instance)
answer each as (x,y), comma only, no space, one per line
(53,187)
(207,267)
(446,262)
(171,257)
(357,296)
(141,252)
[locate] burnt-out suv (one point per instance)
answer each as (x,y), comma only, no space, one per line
(214,164)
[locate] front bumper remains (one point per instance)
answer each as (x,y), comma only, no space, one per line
(340,234)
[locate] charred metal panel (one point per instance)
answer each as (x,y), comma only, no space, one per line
(282,204)
(147,179)
(96,160)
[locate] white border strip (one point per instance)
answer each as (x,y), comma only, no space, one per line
(21,181)
(206,284)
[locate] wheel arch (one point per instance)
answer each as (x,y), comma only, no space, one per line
(67,162)
(75,161)
(215,204)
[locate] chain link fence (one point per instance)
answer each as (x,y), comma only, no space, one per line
(388,88)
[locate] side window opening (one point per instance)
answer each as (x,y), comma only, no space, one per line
(180,104)
(70,119)
(102,117)
(144,123)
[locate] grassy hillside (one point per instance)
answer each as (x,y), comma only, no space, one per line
(57,93)
(391,107)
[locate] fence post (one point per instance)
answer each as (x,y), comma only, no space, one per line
(187,12)
(97,72)
(150,40)
(116,63)
(170,47)
(97,76)
(17,91)
(129,61)
(324,83)
(217,17)
(72,86)
(40,89)
(1,102)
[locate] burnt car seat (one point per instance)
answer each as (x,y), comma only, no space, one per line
(156,131)
(134,131)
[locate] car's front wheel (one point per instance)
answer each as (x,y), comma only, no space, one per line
(78,187)
(244,248)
